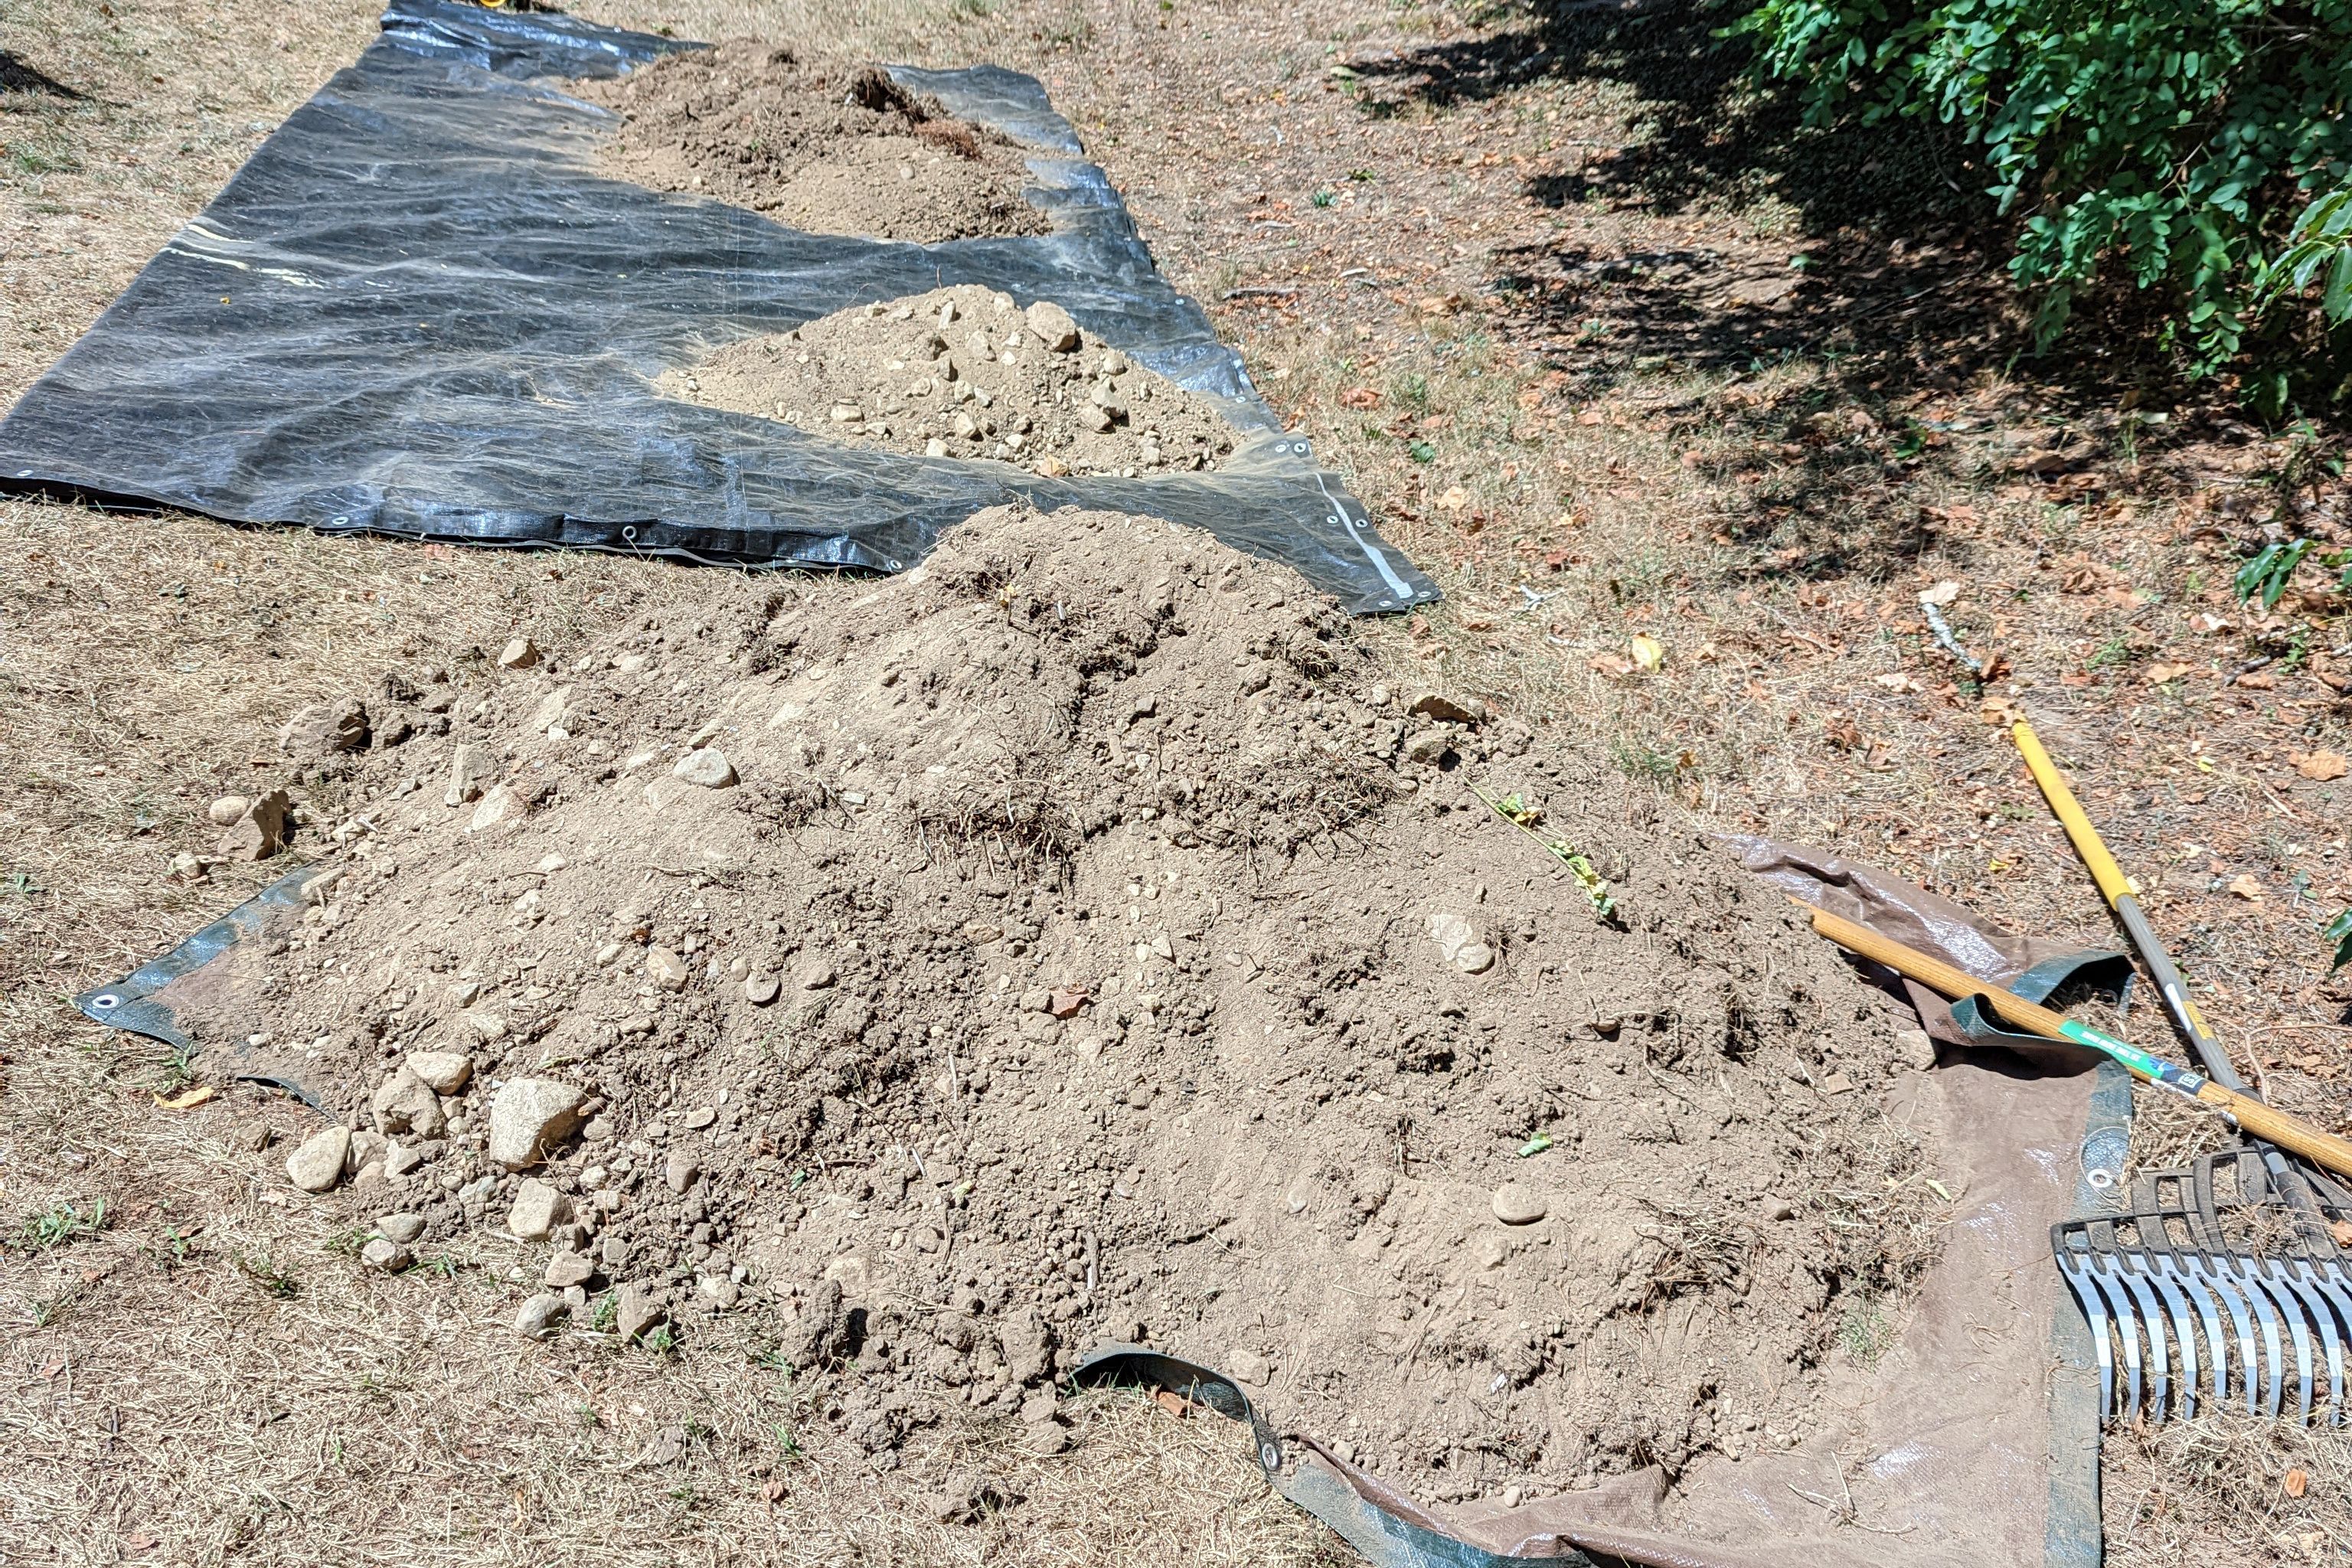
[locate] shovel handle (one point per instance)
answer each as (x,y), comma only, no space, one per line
(2267,1122)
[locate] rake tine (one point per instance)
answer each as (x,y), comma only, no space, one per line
(2249,1366)
(2299,1278)
(2159,1274)
(2094,1312)
(2266,1314)
(2329,1281)
(2159,1355)
(2296,1309)
(2106,1275)
(2217,1352)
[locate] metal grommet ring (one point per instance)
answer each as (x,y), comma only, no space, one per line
(2101,1179)
(107,1003)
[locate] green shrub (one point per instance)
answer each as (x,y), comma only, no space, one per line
(2168,142)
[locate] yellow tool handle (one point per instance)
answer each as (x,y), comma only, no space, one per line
(2104,870)
(2267,1122)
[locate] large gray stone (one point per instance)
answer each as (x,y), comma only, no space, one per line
(530,1116)
(318,1164)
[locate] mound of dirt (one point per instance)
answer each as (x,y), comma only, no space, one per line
(1072,939)
(825,147)
(965,373)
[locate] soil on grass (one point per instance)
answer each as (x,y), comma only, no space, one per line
(1072,940)
(965,373)
(823,146)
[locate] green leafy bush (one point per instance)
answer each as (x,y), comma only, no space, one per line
(2168,142)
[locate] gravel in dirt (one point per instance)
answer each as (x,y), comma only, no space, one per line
(827,147)
(965,372)
(1107,895)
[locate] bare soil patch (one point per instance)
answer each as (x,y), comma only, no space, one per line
(829,147)
(966,373)
(1072,940)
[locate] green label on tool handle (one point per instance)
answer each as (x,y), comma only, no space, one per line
(2134,1060)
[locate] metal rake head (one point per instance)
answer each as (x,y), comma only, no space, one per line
(2223,1281)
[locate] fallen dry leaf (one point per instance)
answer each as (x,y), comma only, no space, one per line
(1941,595)
(1648,652)
(1174,1404)
(2162,674)
(1609,664)
(1360,397)
(187,1102)
(2257,680)
(2244,885)
(1897,682)
(2320,766)
(2298,1482)
(2341,1231)
(1453,499)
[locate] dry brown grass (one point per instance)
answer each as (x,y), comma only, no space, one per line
(2218,1489)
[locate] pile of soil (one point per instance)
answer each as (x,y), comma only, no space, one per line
(966,373)
(830,148)
(1072,939)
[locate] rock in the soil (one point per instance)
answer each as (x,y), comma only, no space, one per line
(1427,746)
(261,831)
(551,710)
(761,989)
(498,807)
(385,1255)
(1249,1367)
(520,652)
(530,1116)
(1446,709)
(400,1159)
(443,1072)
(637,1309)
(706,767)
(821,1332)
(665,969)
(1517,1203)
(1457,942)
(406,1103)
(1052,326)
(1027,1344)
(815,974)
(1914,1049)
(541,1315)
(566,1269)
(471,769)
(403,1228)
(324,731)
(226,809)
(318,1164)
(681,1171)
(538,1209)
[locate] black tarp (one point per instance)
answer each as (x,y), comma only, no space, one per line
(417,309)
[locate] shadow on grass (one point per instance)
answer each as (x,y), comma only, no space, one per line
(1889,262)
(1867,253)
(15,76)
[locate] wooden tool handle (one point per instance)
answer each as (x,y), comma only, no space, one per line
(2284,1127)
(1944,979)
(2267,1122)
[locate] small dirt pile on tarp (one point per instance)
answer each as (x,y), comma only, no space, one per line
(966,373)
(1072,939)
(826,147)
